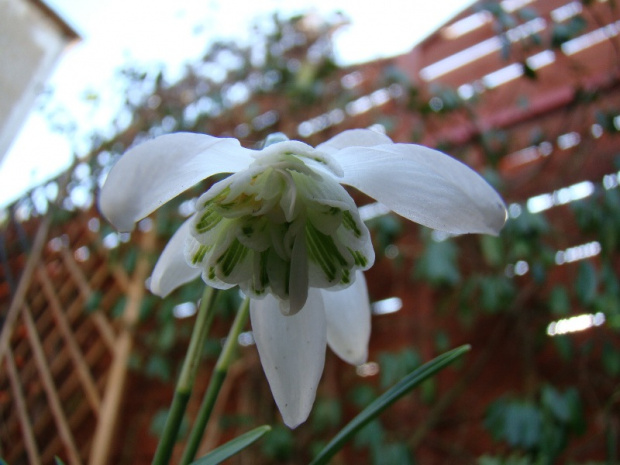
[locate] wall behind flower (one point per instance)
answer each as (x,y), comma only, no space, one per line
(529,109)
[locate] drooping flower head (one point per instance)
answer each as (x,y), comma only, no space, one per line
(284,229)
(281,226)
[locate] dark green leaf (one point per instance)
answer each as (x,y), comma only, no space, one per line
(528,14)
(564,346)
(611,360)
(119,307)
(372,435)
(362,395)
(496,293)
(278,446)
(438,264)
(392,454)
(518,423)
(396,366)
(522,426)
(159,367)
(326,413)
(559,301)
(233,447)
(492,250)
(556,403)
(93,302)
(587,283)
(528,71)
(442,341)
(167,337)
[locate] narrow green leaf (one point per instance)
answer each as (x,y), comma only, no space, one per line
(587,283)
(57,461)
(384,401)
(232,447)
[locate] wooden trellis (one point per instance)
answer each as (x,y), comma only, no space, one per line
(63,358)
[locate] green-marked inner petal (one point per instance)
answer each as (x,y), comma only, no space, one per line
(208,220)
(349,222)
(278,228)
(324,252)
(198,256)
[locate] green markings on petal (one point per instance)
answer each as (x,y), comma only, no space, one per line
(233,255)
(218,198)
(322,250)
(359,257)
(208,220)
(261,281)
(349,222)
(200,253)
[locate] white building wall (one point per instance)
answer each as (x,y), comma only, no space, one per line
(32,38)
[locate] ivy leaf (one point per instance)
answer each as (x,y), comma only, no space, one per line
(559,301)
(611,360)
(159,367)
(326,413)
(279,445)
(587,283)
(557,403)
(496,293)
(492,250)
(529,72)
(518,423)
(438,265)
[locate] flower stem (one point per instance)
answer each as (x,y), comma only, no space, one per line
(186,379)
(217,378)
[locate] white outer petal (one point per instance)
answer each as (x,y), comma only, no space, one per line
(171,269)
(353,138)
(292,352)
(152,173)
(348,321)
(425,186)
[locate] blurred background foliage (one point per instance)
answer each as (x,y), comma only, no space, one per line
(527,395)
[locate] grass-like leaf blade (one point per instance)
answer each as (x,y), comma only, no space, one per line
(401,388)
(233,446)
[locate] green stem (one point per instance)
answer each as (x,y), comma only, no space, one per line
(217,379)
(186,379)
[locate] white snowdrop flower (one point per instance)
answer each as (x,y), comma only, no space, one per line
(284,230)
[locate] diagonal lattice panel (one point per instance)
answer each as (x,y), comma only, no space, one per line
(60,345)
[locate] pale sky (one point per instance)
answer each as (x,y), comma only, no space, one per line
(116,32)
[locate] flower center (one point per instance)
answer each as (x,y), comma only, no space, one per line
(279,227)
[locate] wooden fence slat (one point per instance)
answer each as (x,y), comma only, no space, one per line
(74,349)
(93,355)
(50,389)
(100,451)
(118,272)
(22,411)
(85,288)
(24,284)
(75,272)
(74,421)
